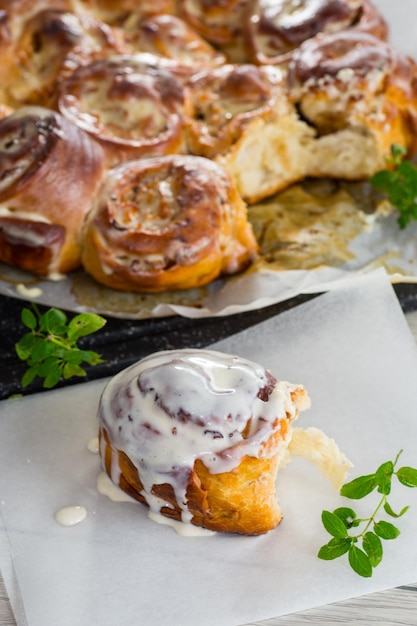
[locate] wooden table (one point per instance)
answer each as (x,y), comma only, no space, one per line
(385,608)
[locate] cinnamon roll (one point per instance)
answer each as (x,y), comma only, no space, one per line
(274,28)
(52,44)
(198,436)
(360,95)
(132,105)
(241,117)
(169,36)
(50,171)
(165,223)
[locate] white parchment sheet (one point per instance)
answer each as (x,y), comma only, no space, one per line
(353,351)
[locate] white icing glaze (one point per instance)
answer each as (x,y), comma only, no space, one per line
(107,488)
(177,406)
(186,530)
(71,515)
(30,292)
(93,445)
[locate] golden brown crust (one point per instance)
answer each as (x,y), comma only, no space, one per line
(274,29)
(43,198)
(217,21)
(164,223)
(169,36)
(356,89)
(240,501)
(132,105)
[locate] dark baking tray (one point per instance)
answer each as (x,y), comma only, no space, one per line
(122,342)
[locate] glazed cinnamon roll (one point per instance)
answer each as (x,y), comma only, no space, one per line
(132,105)
(165,223)
(242,117)
(361,97)
(198,436)
(169,36)
(50,171)
(274,28)
(52,44)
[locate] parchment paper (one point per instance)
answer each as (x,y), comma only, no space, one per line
(382,245)
(355,354)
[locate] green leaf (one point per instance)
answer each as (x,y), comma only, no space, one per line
(84,324)
(73,356)
(92,358)
(40,350)
(29,376)
(347,515)
(333,524)
(334,548)
(24,346)
(52,379)
(372,545)
(407,476)
(383,477)
(72,370)
(359,487)
(381,180)
(29,319)
(49,365)
(388,509)
(54,321)
(399,184)
(386,530)
(360,562)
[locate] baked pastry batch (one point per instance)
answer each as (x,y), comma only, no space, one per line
(133,135)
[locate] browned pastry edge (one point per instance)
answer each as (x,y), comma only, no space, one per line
(240,501)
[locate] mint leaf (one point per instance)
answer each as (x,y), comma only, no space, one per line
(360,562)
(359,487)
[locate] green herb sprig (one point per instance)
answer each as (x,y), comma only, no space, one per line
(50,347)
(340,523)
(399,183)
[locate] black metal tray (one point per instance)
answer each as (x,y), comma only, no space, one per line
(122,342)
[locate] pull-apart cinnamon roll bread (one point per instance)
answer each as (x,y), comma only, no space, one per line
(50,171)
(242,118)
(132,105)
(360,95)
(199,436)
(274,28)
(163,223)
